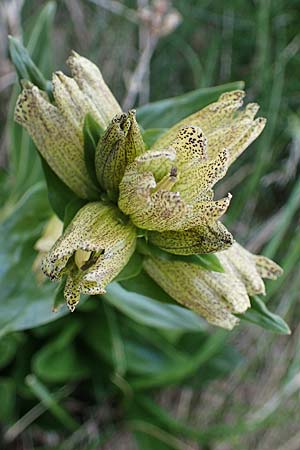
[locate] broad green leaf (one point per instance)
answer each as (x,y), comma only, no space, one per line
(59,194)
(132,268)
(145,359)
(151,312)
(58,361)
(24,304)
(177,373)
(92,132)
(261,316)
(152,134)
(165,113)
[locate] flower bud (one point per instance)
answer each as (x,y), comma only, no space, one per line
(90,81)
(56,139)
(249,268)
(118,147)
(92,251)
(57,129)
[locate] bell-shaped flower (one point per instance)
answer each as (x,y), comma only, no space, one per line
(94,248)
(57,128)
(215,296)
(169,191)
(121,143)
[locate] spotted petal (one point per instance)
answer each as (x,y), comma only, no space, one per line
(90,81)
(57,129)
(249,268)
(223,125)
(206,238)
(92,251)
(215,296)
(57,140)
(119,146)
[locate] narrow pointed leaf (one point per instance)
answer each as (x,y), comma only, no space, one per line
(25,67)
(261,316)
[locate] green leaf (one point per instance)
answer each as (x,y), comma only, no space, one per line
(152,134)
(25,67)
(132,268)
(58,361)
(261,316)
(59,194)
(92,132)
(208,262)
(72,209)
(185,369)
(8,400)
(38,39)
(151,312)
(8,347)
(165,113)
(25,303)
(24,162)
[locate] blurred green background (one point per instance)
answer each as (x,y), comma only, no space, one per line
(106,377)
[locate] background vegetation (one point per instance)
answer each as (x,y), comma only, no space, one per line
(113,377)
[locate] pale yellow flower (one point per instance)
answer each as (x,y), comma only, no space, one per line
(57,129)
(91,252)
(215,296)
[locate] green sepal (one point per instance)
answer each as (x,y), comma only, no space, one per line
(206,261)
(261,316)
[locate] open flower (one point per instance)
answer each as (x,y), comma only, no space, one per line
(92,251)
(168,190)
(215,296)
